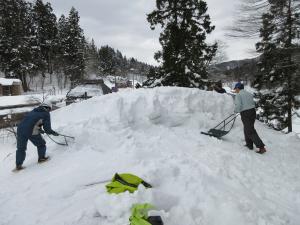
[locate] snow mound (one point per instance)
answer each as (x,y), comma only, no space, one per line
(169,107)
(154,134)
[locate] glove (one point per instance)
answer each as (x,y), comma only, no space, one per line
(41,131)
(55,133)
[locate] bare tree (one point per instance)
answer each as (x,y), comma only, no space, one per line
(248,19)
(221,55)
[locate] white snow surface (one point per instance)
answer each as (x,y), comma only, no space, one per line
(27,99)
(8,82)
(90,89)
(155,134)
(6,101)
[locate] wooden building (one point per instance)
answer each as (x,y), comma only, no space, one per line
(10,87)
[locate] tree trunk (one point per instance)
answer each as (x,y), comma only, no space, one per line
(288,46)
(65,82)
(290,116)
(43,80)
(24,82)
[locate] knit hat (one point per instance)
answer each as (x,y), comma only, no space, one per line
(239,85)
(47,104)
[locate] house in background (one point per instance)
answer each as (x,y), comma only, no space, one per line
(10,87)
(87,89)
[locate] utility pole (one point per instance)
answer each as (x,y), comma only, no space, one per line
(132,71)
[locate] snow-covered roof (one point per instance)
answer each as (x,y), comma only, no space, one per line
(7,82)
(90,89)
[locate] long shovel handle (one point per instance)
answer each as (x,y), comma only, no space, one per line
(59,143)
(97,182)
(223,121)
(66,136)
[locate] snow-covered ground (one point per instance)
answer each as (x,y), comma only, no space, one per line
(296,122)
(155,134)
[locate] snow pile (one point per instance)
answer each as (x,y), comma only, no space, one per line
(155,134)
(169,107)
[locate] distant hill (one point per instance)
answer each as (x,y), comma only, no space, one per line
(234,70)
(244,69)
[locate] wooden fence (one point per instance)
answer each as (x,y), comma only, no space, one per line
(12,119)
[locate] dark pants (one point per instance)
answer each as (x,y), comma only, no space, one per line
(22,140)
(251,136)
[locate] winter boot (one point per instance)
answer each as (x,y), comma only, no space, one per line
(18,168)
(261,150)
(44,159)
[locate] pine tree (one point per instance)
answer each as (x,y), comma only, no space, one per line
(151,73)
(61,53)
(121,64)
(266,67)
(185,55)
(44,21)
(107,60)
(74,47)
(17,40)
(92,58)
(267,48)
(277,77)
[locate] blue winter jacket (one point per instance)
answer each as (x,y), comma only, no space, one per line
(37,117)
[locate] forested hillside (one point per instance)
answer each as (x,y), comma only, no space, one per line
(34,43)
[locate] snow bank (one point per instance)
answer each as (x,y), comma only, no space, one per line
(155,134)
(169,107)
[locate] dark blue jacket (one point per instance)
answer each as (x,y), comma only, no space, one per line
(26,126)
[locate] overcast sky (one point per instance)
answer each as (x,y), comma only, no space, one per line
(122,24)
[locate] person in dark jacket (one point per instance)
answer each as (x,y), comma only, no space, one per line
(30,128)
(245,105)
(218,88)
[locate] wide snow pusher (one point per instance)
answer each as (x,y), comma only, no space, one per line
(223,127)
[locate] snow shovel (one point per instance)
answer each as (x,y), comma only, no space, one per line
(222,128)
(65,143)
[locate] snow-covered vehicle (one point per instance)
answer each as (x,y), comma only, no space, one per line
(87,89)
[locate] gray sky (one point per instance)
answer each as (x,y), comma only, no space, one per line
(122,24)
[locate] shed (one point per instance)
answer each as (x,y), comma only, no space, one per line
(10,87)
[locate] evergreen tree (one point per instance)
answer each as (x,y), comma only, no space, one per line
(17,40)
(152,76)
(44,21)
(74,47)
(92,58)
(151,73)
(185,55)
(121,64)
(107,60)
(61,54)
(277,78)
(268,59)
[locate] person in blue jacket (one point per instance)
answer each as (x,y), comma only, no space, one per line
(245,105)
(30,128)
